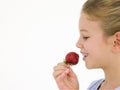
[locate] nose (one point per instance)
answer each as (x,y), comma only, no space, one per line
(79,44)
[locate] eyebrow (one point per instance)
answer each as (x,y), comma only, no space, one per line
(83,30)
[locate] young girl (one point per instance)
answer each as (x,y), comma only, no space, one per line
(99,44)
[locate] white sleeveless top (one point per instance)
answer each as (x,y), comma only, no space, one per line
(96,84)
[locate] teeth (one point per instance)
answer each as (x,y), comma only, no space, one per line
(84,54)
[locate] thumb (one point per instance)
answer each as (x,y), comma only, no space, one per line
(65,73)
(71,73)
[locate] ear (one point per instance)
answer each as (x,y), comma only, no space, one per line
(116,44)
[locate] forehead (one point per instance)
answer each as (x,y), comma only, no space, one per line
(88,25)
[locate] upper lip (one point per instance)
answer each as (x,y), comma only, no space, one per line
(85,54)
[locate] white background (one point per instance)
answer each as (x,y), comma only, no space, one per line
(34,36)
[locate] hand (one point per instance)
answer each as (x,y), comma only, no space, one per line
(65,78)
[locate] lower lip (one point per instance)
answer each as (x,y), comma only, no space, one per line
(84,58)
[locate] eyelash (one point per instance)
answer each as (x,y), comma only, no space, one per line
(86,37)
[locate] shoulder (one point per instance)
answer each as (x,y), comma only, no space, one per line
(95,84)
(118,88)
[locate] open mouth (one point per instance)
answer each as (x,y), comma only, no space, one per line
(85,55)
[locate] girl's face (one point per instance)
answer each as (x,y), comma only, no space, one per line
(95,47)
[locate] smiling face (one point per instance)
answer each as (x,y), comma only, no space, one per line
(95,47)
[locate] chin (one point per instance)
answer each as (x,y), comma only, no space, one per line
(92,67)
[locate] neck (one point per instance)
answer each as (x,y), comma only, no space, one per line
(112,77)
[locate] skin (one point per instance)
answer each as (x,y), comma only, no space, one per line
(65,77)
(101,51)
(93,43)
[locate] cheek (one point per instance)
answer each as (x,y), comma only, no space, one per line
(91,46)
(96,50)
(98,55)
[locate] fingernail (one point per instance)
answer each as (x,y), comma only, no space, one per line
(67,71)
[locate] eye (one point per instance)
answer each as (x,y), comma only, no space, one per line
(85,37)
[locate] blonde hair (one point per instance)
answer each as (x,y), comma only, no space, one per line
(106,11)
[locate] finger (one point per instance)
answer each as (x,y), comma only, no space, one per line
(59,72)
(71,73)
(60,67)
(63,75)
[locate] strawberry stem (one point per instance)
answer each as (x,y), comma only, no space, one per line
(68,63)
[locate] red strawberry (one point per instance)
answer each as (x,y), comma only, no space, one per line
(71,58)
